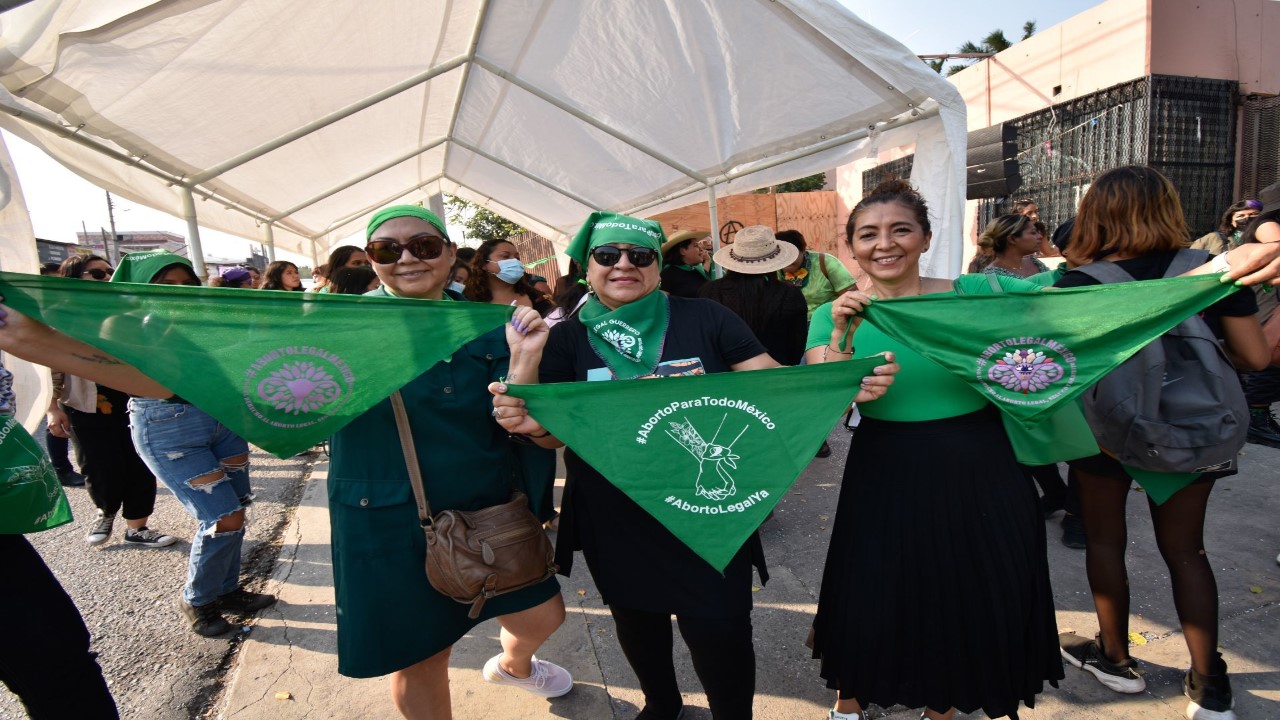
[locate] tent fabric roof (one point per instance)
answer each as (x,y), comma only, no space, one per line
(311,115)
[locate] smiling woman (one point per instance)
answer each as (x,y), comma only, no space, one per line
(390,619)
(629,329)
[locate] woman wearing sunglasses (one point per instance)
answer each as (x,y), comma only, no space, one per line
(627,329)
(390,619)
(116,478)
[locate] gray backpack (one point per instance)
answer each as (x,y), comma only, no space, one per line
(1175,406)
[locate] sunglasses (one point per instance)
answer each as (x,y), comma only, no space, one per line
(608,255)
(423,247)
(99,273)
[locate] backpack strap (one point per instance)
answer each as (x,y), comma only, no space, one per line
(994,282)
(1187,260)
(1105,272)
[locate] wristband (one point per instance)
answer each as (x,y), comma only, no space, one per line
(1220,264)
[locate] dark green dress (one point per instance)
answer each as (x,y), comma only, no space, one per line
(389,616)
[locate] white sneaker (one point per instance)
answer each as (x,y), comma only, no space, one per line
(547,679)
(101,530)
(833,715)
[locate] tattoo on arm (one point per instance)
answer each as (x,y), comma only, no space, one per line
(97,358)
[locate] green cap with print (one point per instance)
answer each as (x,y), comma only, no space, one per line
(604,228)
(143,267)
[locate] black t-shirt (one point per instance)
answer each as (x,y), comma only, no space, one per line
(1153,266)
(782,320)
(682,283)
(634,560)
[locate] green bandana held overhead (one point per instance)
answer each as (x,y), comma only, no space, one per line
(708,456)
(628,339)
(31,499)
(269,366)
(1031,352)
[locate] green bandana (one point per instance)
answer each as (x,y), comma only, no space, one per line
(268,365)
(396,211)
(31,499)
(708,456)
(605,228)
(696,268)
(1029,353)
(143,267)
(629,340)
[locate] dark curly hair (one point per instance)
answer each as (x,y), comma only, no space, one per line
(273,278)
(477,285)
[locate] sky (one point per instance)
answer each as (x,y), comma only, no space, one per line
(62,204)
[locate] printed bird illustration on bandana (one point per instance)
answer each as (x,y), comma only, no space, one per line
(722,455)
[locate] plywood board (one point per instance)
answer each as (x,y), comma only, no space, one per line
(813,214)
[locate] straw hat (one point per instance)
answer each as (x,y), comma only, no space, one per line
(683,235)
(755,251)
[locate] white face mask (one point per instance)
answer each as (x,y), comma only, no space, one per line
(457,287)
(509,271)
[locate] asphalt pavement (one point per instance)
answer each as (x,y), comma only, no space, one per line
(287,667)
(156,667)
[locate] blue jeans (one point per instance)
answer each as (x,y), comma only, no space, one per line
(180,443)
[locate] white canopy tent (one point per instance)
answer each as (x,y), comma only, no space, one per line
(290,121)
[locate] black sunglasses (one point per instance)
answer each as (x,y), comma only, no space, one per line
(423,247)
(99,273)
(608,255)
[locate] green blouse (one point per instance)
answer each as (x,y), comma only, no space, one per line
(922,390)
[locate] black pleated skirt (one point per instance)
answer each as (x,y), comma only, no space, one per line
(936,588)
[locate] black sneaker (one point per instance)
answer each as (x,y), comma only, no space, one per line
(70,478)
(1209,695)
(101,530)
(146,537)
(1087,655)
(1073,531)
(205,620)
(243,602)
(824,451)
(1262,428)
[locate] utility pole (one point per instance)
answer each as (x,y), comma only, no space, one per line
(115,239)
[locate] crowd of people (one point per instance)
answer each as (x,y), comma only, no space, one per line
(909,519)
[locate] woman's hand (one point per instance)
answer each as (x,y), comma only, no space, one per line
(526,334)
(846,312)
(1254,263)
(875,386)
(59,424)
(514,417)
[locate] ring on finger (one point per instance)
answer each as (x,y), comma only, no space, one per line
(497,412)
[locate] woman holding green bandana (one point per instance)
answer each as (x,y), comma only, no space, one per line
(629,329)
(390,619)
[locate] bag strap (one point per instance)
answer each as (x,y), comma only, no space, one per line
(1105,272)
(411,458)
(1185,261)
(994,282)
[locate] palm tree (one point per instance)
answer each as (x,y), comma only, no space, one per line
(994,42)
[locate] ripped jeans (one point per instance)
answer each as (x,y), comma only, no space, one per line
(180,443)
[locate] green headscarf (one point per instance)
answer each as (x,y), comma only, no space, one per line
(603,228)
(143,267)
(396,211)
(628,339)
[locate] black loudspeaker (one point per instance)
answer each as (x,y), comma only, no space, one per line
(992,162)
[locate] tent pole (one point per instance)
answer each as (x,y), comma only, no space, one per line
(435,203)
(193,233)
(527,175)
(271,244)
(715,227)
(315,259)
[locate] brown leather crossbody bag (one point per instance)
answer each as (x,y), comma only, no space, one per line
(479,554)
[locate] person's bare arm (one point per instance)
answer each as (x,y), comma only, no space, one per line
(36,342)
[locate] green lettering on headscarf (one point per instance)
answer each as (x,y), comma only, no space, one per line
(605,228)
(396,211)
(143,267)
